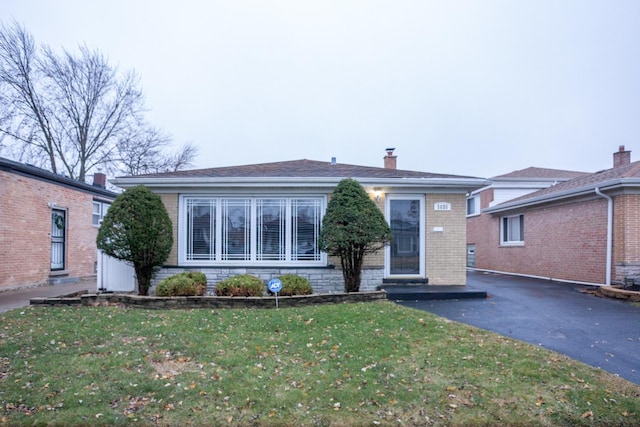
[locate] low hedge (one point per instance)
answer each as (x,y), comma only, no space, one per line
(293,284)
(187,284)
(243,285)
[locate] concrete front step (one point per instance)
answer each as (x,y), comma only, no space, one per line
(405,292)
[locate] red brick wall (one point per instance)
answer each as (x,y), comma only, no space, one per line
(565,242)
(25,227)
(626,236)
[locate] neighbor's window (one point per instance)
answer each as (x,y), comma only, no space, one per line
(99,211)
(240,230)
(473,205)
(512,229)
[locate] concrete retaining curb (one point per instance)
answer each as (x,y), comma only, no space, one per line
(161,303)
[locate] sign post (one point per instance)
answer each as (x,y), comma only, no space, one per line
(275,286)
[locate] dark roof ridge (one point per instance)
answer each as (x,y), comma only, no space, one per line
(35,172)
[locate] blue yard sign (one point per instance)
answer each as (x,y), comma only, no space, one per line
(275,286)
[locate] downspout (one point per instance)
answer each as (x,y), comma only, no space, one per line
(609,234)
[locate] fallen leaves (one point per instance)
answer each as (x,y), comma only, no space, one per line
(587,414)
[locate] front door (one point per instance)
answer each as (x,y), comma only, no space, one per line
(58,241)
(406,252)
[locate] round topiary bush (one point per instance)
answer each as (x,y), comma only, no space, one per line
(243,285)
(183,285)
(293,284)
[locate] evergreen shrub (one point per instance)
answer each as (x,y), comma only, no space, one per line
(243,285)
(185,284)
(292,284)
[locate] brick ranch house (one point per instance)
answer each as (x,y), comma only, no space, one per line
(264,219)
(585,229)
(48,225)
(503,188)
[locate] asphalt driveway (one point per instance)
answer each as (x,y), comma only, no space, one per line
(601,332)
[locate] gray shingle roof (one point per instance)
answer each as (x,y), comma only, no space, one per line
(541,173)
(297,168)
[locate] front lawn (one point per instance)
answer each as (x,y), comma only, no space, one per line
(331,365)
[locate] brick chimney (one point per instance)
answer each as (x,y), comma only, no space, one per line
(390,159)
(99,180)
(621,157)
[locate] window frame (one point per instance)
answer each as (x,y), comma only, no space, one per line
(506,230)
(476,205)
(255,254)
(421,246)
(103,207)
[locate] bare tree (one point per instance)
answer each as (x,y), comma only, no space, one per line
(145,149)
(73,112)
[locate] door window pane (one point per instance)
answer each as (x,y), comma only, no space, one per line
(405,247)
(58,230)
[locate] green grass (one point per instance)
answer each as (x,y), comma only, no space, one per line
(341,365)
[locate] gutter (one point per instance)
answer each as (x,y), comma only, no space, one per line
(609,233)
(293,182)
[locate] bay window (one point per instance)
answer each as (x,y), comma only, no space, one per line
(237,230)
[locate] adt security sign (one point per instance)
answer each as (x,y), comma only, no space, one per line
(275,285)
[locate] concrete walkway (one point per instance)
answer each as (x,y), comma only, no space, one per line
(600,332)
(20,297)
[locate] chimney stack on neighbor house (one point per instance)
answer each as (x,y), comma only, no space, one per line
(621,157)
(390,159)
(99,180)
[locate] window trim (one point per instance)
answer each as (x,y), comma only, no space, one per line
(254,260)
(104,207)
(476,206)
(505,234)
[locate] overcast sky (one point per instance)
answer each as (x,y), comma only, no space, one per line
(476,88)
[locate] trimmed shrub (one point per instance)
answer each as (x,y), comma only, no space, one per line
(243,285)
(293,284)
(137,229)
(183,285)
(199,279)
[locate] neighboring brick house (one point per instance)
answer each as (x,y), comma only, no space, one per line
(265,219)
(48,225)
(503,188)
(585,229)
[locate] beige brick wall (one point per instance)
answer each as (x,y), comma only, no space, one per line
(171,204)
(446,249)
(25,227)
(376,259)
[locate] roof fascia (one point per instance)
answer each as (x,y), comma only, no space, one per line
(293,182)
